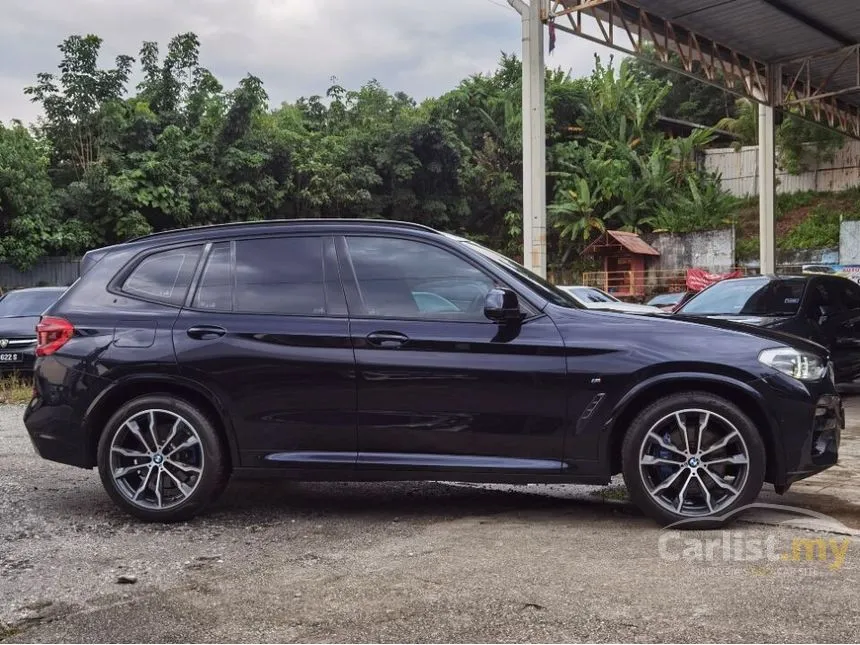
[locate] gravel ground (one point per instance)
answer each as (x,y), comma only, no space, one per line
(404,562)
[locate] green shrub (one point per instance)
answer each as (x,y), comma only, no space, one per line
(818,230)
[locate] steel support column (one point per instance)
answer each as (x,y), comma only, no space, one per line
(767,188)
(534,136)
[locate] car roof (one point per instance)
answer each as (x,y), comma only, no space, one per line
(285,225)
(771,277)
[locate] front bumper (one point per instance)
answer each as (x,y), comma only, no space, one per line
(820,448)
(807,420)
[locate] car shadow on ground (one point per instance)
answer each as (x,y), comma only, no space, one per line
(403,501)
(274,501)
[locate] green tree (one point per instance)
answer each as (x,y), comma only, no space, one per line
(29,226)
(688,98)
(74,102)
(181,149)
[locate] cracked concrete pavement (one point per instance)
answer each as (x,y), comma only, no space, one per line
(279,562)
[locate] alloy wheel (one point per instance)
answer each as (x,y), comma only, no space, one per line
(156,459)
(694,462)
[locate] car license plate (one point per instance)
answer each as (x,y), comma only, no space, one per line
(10,357)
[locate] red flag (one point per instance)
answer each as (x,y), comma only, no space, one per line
(698,279)
(551,25)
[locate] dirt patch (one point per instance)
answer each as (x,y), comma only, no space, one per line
(748,221)
(786,222)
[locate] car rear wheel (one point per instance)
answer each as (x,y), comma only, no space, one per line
(161,459)
(694,459)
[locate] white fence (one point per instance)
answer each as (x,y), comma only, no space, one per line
(739,171)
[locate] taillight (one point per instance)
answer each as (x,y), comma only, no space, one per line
(53,333)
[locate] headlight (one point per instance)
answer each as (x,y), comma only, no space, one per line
(800,365)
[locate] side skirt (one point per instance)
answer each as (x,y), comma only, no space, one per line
(318,474)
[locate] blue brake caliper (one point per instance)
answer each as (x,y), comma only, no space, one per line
(664,470)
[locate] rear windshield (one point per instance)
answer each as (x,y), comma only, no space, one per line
(27,303)
(754,297)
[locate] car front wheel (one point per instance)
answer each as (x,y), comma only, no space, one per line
(161,459)
(693,459)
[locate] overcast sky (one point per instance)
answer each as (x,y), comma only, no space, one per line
(296,46)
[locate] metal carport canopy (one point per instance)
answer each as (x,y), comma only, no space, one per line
(797,55)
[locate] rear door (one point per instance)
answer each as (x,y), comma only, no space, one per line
(266,329)
(147,298)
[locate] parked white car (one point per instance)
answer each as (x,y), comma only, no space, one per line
(594,298)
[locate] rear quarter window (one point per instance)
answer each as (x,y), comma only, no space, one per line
(163,276)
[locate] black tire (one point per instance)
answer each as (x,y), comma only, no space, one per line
(207,485)
(721,411)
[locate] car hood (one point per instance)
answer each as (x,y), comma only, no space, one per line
(670,338)
(757,326)
(18,326)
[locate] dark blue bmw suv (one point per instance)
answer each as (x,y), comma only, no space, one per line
(374,350)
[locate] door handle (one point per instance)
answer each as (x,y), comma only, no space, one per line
(206,332)
(387,339)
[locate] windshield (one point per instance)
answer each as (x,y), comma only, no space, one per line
(590,294)
(27,303)
(754,297)
(540,285)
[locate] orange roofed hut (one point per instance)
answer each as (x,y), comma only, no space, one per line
(624,256)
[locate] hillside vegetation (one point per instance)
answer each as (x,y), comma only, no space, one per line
(804,221)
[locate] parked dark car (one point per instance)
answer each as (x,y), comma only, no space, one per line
(19,312)
(821,308)
(300,349)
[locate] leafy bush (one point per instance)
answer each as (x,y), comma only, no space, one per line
(818,230)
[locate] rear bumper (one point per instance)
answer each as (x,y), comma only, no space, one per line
(56,434)
(54,416)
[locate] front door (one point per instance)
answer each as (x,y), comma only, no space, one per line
(267,331)
(440,387)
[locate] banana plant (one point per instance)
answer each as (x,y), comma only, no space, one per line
(576,216)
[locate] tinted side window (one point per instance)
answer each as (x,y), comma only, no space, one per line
(164,276)
(280,276)
(407,278)
(216,284)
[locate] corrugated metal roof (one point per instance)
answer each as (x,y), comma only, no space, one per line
(633,243)
(775,31)
(629,241)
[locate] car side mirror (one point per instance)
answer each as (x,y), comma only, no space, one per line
(502,306)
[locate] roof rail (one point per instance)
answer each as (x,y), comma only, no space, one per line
(317,221)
